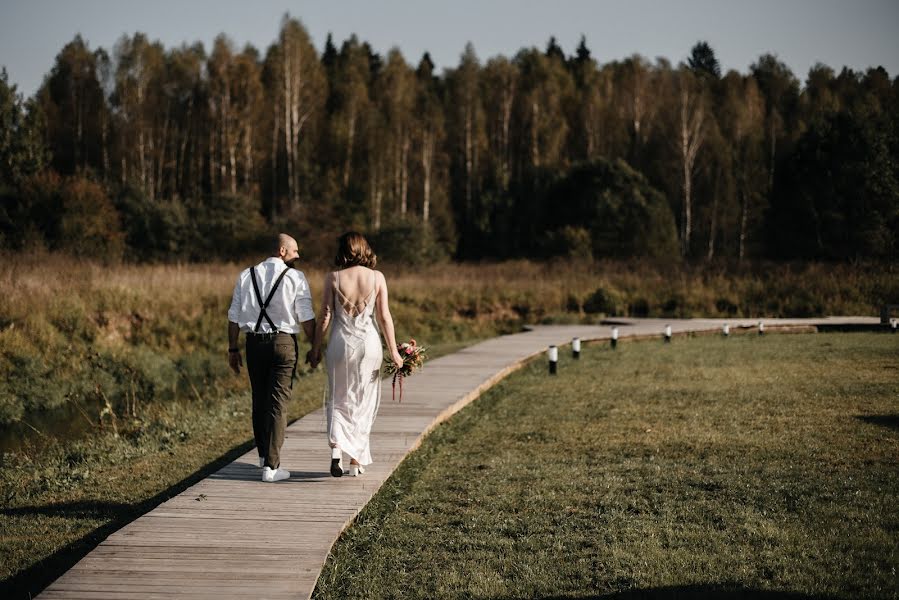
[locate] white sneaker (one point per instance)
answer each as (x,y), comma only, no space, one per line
(356,470)
(261,461)
(270,475)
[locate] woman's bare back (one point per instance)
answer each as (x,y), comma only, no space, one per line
(355,287)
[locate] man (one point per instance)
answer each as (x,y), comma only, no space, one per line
(271,302)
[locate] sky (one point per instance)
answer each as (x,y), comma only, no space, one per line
(858,34)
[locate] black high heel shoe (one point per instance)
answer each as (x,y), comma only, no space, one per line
(336,462)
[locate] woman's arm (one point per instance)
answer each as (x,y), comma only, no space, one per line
(385,320)
(322,325)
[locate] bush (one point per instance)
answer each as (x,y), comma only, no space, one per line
(90,225)
(569,242)
(624,214)
(638,308)
(230,227)
(408,243)
(155,230)
(604,301)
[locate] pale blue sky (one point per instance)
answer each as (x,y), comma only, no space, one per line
(857,34)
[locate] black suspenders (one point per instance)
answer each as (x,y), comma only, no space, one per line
(264,305)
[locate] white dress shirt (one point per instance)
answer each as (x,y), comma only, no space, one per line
(290,306)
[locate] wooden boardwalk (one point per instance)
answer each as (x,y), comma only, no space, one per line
(233,536)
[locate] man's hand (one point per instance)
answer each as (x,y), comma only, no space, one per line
(313,358)
(235,361)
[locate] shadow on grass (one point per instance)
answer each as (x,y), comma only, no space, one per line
(691,592)
(83,510)
(29,582)
(891,421)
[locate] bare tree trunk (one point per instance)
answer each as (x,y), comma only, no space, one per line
(161,162)
(376,194)
(104,145)
(249,173)
(713,225)
(588,128)
(351,136)
(688,210)
(213,184)
(691,122)
(140,137)
(468,160)
(274,168)
(744,220)
(151,170)
(773,153)
(404,174)
(505,171)
(79,127)
(427,154)
(289,118)
(535,146)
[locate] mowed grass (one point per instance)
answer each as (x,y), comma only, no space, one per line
(709,467)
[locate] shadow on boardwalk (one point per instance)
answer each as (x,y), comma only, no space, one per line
(31,581)
(248,472)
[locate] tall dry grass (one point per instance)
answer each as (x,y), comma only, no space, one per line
(151,324)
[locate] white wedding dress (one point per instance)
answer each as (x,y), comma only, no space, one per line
(353,359)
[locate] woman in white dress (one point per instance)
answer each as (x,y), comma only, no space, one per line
(355,300)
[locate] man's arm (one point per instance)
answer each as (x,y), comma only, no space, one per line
(309,329)
(234,359)
(302,307)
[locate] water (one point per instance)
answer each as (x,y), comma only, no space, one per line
(63,423)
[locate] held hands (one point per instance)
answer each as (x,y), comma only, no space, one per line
(313,358)
(235,361)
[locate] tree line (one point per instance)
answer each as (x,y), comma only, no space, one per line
(172,153)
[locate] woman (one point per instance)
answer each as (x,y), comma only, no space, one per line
(355,297)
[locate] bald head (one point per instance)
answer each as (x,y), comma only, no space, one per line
(286,248)
(286,242)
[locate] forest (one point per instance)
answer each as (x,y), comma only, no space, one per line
(153,154)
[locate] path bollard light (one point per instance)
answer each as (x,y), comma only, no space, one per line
(553,354)
(667,334)
(576,348)
(614,337)
(761,328)
(893,324)
(725,330)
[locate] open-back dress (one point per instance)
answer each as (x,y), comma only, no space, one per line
(353,359)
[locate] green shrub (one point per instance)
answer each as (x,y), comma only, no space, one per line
(623,213)
(408,243)
(569,242)
(604,300)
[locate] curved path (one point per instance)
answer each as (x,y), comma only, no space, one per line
(232,536)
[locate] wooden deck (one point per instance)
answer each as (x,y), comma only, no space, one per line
(233,536)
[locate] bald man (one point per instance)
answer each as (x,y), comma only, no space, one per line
(271,302)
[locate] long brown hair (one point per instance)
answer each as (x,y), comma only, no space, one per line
(352,250)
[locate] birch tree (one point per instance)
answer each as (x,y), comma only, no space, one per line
(304,89)
(429,131)
(500,90)
(690,135)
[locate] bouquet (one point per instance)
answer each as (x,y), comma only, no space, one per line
(413,359)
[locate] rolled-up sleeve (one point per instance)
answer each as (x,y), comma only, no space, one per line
(234,310)
(302,304)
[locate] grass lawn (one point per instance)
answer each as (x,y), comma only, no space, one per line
(706,468)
